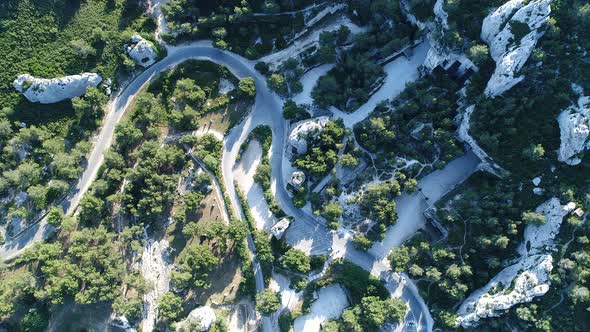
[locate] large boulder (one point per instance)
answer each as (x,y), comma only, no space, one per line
(200,319)
(48,91)
(305,129)
(509,51)
(142,51)
(574,127)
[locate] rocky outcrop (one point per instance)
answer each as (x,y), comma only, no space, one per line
(511,54)
(487,163)
(527,278)
(539,238)
(200,319)
(519,283)
(49,91)
(305,129)
(574,128)
(141,51)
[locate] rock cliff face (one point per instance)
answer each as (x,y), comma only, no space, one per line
(48,91)
(142,51)
(527,278)
(487,163)
(574,127)
(509,53)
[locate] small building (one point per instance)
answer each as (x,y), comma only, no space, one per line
(297,179)
(278,229)
(579,212)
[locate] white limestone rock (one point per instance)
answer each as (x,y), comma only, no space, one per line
(304,129)
(574,128)
(536,181)
(539,238)
(527,278)
(200,319)
(519,283)
(511,55)
(142,51)
(122,323)
(49,91)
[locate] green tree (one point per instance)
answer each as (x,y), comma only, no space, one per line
(534,152)
(187,92)
(296,260)
(267,302)
(277,83)
(169,307)
(55,216)
(247,87)
(399,258)
(533,218)
(360,241)
(479,54)
(38,195)
(332,212)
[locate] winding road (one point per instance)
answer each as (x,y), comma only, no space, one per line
(267,111)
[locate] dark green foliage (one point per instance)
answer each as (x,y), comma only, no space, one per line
(418,124)
(322,152)
(296,261)
(267,302)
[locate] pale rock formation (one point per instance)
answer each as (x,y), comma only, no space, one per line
(527,278)
(156,267)
(539,238)
(574,127)
(536,181)
(49,91)
(538,191)
(280,227)
(200,319)
(510,54)
(141,51)
(519,283)
(122,323)
(303,129)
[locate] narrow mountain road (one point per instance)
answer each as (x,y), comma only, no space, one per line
(267,110)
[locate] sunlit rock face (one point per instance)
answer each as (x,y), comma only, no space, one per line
(524,280)
(49,91)
(574,130)
(509,52)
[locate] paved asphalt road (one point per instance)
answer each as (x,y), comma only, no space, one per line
(268,110)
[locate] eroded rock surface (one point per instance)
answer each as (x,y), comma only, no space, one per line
(49,91)
(200,319)
(509,51)
(303,130)
(524,280)
(574,128)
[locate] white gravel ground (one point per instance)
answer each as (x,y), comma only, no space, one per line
(330,304)
(399,72)
(244,175)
